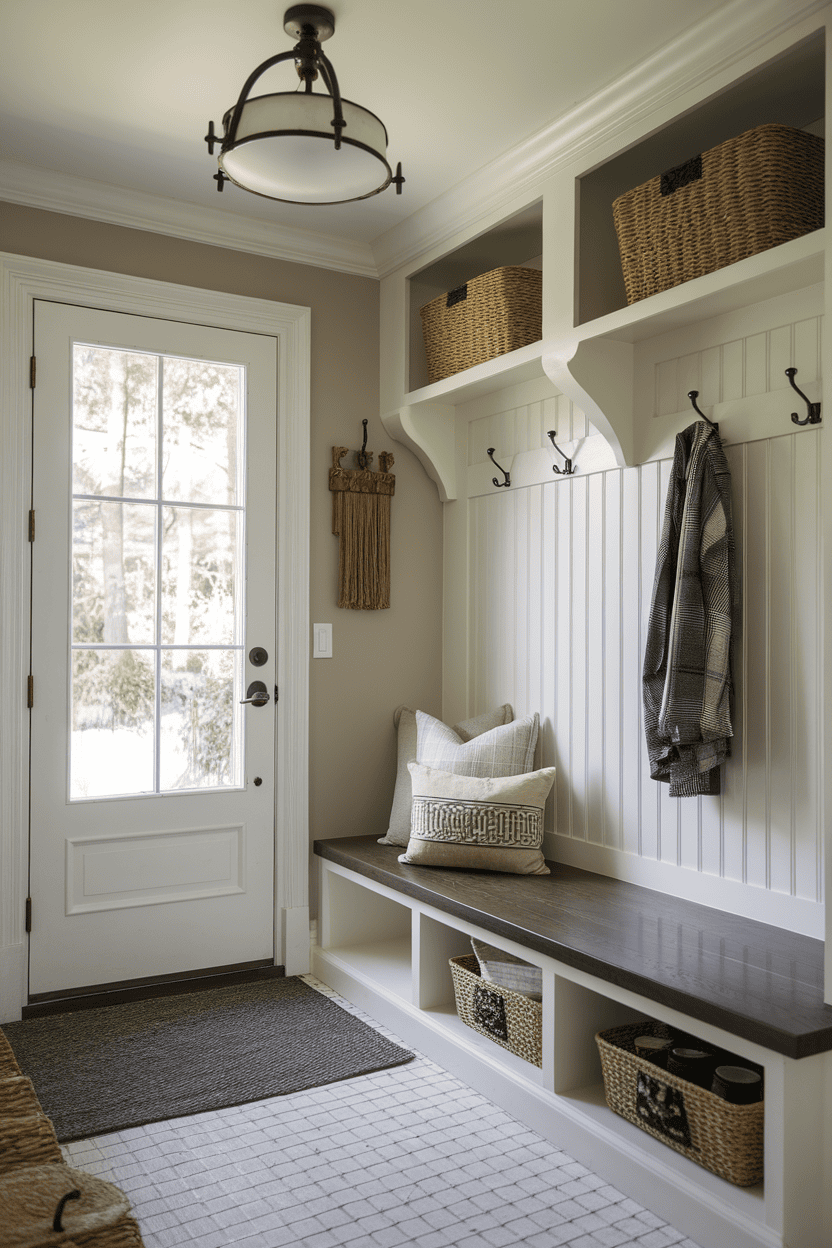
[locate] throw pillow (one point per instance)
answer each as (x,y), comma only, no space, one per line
(505,751)
(490,824)
(398,833)
(502,968)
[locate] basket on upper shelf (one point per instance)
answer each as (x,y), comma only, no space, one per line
(742,197)
(488,316)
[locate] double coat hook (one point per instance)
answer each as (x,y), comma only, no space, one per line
(567,469)
(507,475)
(813,417)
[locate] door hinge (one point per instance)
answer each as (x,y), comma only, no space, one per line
(32,525)
(30,692)
(32,372)
(28,914)
(275,693)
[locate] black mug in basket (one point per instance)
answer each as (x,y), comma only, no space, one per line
(695,1065)
(737,1084)
(653,1049)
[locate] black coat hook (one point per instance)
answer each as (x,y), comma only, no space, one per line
(507,475)
(814,416)
(363,460)
(568,469)
(693,395)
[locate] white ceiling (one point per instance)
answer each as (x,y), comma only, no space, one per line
(121,93)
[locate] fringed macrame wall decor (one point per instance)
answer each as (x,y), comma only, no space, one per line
(361,519)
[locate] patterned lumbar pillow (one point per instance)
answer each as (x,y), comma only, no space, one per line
(502,968)
(491,824)
(398,832)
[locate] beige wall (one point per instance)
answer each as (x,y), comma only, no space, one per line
(382,658)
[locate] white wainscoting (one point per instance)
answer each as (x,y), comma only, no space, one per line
(557,591)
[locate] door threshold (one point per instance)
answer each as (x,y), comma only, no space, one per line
(92,998)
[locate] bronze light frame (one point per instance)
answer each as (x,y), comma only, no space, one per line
(311,24)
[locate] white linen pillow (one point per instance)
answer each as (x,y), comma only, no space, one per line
(398,832)
(481,824)
(504,751)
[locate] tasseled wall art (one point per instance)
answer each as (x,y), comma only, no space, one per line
(361,519)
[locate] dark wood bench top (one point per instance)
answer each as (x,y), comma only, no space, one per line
(753,980)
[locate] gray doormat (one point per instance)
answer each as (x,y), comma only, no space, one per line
(101,1070)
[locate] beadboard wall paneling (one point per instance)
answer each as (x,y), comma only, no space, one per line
(739,369)
(558,599)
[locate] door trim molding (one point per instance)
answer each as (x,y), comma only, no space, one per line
(22,280)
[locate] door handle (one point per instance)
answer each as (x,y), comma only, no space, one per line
(257,694)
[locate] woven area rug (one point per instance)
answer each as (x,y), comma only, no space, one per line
(101,1070)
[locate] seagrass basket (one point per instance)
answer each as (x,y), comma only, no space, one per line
(8,1061)
(724,1138)
(58,1205)
(488,316)
(742,197)
(18,1096)
(506,1017)
(27,1140)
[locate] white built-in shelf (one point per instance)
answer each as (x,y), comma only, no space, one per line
(591,337)
(593,364)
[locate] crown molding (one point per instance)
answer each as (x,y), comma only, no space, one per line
(707,49)
(138,210)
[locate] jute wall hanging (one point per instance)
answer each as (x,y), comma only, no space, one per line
(361,519)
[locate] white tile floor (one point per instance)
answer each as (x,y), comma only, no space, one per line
(405,1156)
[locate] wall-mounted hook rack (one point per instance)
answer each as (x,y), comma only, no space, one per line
(814,416)
(567,470)
(693,395)
(507,475)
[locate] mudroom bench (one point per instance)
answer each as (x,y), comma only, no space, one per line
(611,953)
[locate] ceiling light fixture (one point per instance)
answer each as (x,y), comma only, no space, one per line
(292,145)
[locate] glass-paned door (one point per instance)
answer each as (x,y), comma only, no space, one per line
(153,580)
(158,539)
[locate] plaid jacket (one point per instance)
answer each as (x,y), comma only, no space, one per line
(687,687)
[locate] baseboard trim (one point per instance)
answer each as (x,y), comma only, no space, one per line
(70,1000)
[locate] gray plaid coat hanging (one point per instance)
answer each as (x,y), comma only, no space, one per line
(687,687)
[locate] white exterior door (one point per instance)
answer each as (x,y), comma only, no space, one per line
(153,610)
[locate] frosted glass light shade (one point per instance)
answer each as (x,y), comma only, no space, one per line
(284,149)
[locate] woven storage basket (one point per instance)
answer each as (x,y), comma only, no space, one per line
(506,1017)
(8,1061)
(724,1138)
(735,200)
(27,1140)
(18,1096)
(488,316)
(98,1218)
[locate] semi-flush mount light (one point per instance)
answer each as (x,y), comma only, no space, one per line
(303,147)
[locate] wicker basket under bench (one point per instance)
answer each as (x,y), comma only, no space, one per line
(508,1018)
(726,1139)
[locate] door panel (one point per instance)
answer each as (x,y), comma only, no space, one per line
(153,576)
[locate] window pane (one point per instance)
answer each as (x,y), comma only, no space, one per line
(112,744)
(113,573)
(114,416)
(202,456)
(201,739)
(201,581)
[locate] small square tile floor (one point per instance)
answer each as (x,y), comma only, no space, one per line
(409,1155)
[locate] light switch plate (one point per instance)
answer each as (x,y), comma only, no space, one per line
(321,641)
